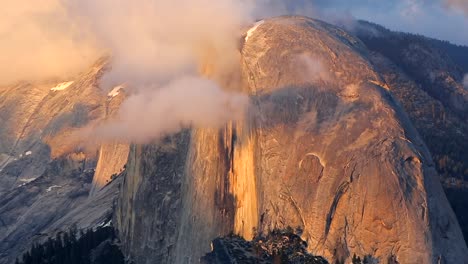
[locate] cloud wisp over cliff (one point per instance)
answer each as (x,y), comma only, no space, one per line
(173,57)
(172,60)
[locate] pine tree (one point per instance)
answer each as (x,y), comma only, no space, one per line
(356,260)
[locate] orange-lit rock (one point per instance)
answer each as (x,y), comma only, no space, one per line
(336,156)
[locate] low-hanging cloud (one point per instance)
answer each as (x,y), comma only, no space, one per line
(56,38)
(184,102)
(147,39)
(173,56)
(154,41)
(173,61)
(42,40)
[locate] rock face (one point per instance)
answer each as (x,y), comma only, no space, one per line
(324,147)
(112,156)
(426,100)
(279,246)
(45,177)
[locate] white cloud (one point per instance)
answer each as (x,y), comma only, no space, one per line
(41,40)
(184,102)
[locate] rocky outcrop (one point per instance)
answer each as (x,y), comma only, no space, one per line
(323,147)
(39,119)
(149,209)
(111,161)
(442,129)
(375,166)
(112,155)
(45,173)
(279,246)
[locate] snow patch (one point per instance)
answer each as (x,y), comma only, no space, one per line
(105,224)
(114,92)
(52,187)
(27,153)
(61,86)
(252,29)
(25,181)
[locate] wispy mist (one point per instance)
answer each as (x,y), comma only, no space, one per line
(312,69)
(184,102)
(461,5)
(173,57)
(176,57)
(156,41)
(465,81)
(42,40)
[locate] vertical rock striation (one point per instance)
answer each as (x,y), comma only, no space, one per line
(323,147)
(45,175)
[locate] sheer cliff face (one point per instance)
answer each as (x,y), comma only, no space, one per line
(324,147)
(45,178)
(370,185)
(433,102)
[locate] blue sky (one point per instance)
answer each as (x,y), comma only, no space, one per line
(442,19)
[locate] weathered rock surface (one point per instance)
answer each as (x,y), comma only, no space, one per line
(442,128)
(112,156)
(279,246)
(324,147)
(45,176)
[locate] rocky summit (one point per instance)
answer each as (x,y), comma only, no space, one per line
(325,147)
(333,144)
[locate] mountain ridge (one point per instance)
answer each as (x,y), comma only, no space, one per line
(330,143)
(247,174)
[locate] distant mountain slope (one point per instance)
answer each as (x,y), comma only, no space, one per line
(457,53)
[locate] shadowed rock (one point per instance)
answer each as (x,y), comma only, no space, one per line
(45,175)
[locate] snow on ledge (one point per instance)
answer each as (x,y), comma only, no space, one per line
(52,187)
(105,224)
(114,92)
(252,29)
(61,86)
(27,180)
